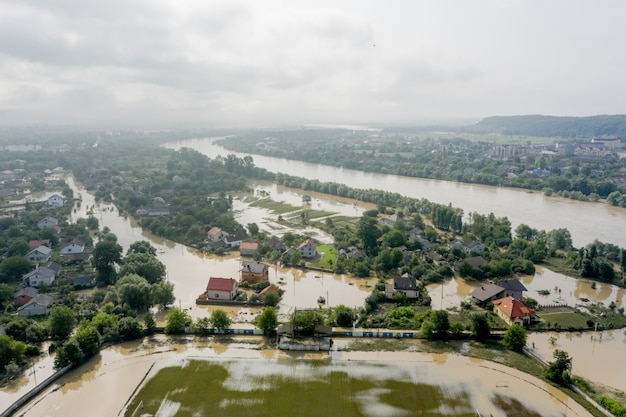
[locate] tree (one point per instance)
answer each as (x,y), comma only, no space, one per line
(149,323)
(176,319)
(560,370)
(271,299)
(441,322)
(130,328)
(14,267)
(295,259)
(200,326)
(6,293)
(219,319)
(68,354)
(10,350)
(368,233)
(106,253)
(267,320)
(480,326)
(144,265)
(88,340)
(141,246)
(61,322)
(134,291)
(162,293)
(19,247)
(343,315)
(253,229)
(515,338)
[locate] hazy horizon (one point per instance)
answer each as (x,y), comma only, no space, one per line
(243,63)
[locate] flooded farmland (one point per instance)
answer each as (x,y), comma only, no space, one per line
(246,380)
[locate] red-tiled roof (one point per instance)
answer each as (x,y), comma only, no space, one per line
(270,288)
(39,242)
(220,284)
(214,231)
(249,246)
(512,307)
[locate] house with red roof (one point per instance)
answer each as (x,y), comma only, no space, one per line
(248,248)
(215,234)
(221,289)
(513,311)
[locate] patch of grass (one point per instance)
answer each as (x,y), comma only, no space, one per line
(329,257)
(277,207)
(566,320)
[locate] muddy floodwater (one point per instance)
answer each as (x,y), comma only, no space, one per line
(105,385)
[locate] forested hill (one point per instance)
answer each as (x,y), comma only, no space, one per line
(609,126)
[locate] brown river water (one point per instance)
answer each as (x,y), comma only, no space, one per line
(599,359)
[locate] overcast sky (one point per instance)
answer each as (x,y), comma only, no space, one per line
(236,63)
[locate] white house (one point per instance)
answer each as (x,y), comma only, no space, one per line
(233,241)
(47,223)
(74,247)
(39,305)
(56,200)
(307,249)
(41,275)
(221,289)
(39,254)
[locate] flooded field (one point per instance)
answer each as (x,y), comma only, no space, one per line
(242,379)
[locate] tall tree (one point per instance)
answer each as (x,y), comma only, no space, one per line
(219,319)
(61,322)
(515,338)
(267,320)
(106,254)
(368,233)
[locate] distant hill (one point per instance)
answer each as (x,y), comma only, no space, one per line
(607,126)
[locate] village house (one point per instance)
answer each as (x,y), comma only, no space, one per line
(248,248)
(41,275)
(24,295)
(47,223)
(513,311)
(270,288)
(405,284)
(216,234)
(39,305)
(490,292)
(233,241)
(74,247)
(56,201)
(221,289)
(254,271)
(307,249)
(39,254)
(435,257)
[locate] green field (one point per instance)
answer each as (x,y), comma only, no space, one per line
(277,207)
(566,320)
(329,258)
(242,388)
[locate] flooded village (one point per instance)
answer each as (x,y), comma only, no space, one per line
(205,281)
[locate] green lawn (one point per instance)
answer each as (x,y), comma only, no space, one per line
(329,258)
(565,320)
